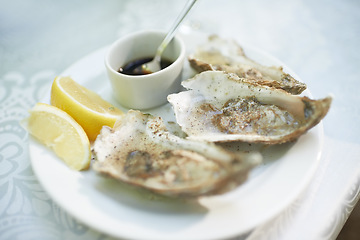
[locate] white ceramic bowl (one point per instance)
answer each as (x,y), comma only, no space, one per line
(144,91)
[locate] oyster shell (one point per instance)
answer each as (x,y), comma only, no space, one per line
(140,151)
(221,107)
(228,56)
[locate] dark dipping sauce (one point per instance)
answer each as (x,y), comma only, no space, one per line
(130,68)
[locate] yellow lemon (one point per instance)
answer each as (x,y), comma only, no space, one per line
(59,131)
(85,106)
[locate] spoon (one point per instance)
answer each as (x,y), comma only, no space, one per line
(154,64)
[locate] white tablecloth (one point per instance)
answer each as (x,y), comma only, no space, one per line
(319,40)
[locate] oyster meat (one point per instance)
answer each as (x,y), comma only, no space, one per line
(221,107)
(226,55)
(140,151)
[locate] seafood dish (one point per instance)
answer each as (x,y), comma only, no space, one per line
(231,99)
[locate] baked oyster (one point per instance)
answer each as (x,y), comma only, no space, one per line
(140,151)
(221,107)
(226,55)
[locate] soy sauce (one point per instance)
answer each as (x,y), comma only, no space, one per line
(129,68)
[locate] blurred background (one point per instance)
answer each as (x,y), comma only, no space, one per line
(319,40)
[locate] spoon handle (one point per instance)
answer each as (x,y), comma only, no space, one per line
(172,32)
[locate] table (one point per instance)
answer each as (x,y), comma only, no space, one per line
(319,40)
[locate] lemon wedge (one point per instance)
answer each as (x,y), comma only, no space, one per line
(59,131)
(85,106)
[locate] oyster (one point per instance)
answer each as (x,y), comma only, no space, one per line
(228,56)
(221,107)
(140,151)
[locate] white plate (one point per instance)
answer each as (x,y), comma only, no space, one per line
(121,211)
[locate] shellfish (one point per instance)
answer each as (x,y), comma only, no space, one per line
(140,151)
(221,107)
(226,55)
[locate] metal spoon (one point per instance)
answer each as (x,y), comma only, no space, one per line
(154,65)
